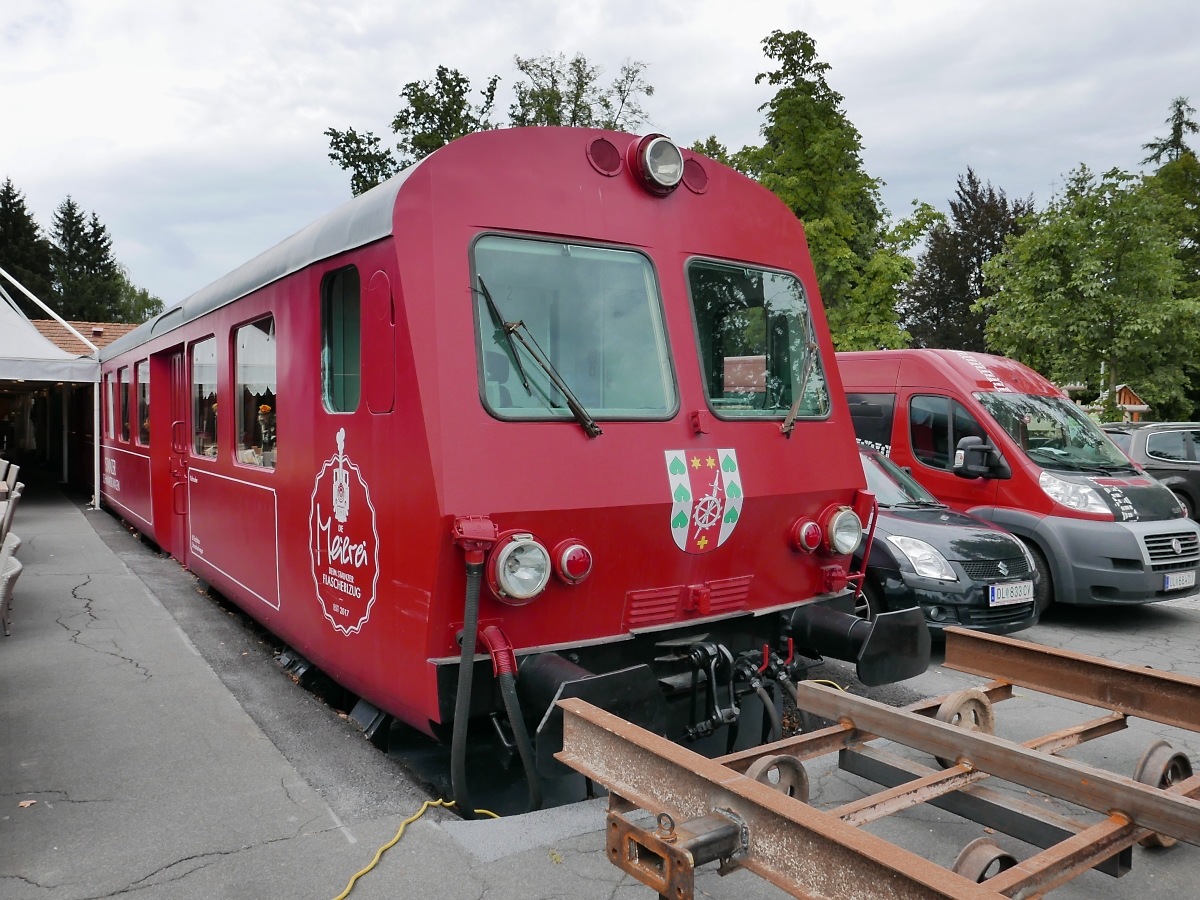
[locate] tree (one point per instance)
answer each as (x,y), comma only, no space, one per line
(86,277)
(555,91)
(24,251)
(1173,146)
(1095,283)
(134,304)
(812,159)
(436,112)
(938,304)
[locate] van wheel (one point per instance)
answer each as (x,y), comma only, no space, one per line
(1043,592)
(1188,509)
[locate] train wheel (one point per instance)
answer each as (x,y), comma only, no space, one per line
(1161,767)
(969,709)
(981,859)
(784,773)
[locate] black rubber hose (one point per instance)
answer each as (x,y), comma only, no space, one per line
(772,714)
(512,706)
(462,700)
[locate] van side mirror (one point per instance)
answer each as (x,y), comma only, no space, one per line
(973,458)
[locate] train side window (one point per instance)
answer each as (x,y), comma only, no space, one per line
(204,397)
(123,401)
(256,392)
(341,358)
(109,417)
(142,374)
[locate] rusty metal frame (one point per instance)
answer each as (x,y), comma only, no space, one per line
(810,852)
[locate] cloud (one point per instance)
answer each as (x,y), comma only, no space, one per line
(195,131)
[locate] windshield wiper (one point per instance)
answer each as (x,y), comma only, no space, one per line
(918,504)
(789,421)
(512,330)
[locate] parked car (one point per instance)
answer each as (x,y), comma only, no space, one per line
(1169,451)
(959,569)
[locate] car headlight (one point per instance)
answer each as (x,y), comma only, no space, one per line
(520,569)
(1070,494)
(924,558)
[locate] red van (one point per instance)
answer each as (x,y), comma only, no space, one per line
(991,437)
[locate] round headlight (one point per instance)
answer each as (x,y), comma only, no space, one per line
(520,569)
(660,163)
(843,531)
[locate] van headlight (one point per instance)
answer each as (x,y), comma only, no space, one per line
(1072,495)
(924,558)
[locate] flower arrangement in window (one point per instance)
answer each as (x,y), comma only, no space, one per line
(266,425)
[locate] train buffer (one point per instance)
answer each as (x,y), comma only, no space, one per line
(672,810)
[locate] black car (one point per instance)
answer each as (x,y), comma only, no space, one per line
(959,569)
(1168,451)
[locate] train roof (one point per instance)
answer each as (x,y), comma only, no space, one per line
(366,218)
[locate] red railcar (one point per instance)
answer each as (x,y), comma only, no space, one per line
(503,396)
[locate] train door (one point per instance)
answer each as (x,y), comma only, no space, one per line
(178,454)
(379,345)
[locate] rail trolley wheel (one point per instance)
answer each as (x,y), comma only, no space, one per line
(784,773)
(981,859)
(970,709)
(1161,767)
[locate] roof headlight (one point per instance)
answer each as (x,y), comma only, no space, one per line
(659,163)
(520,569)
(843,531)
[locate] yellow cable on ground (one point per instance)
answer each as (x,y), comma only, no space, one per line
(379,853)
(828,682)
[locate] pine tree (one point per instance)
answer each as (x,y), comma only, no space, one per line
(24,251)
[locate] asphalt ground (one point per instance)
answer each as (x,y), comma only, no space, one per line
(152,747)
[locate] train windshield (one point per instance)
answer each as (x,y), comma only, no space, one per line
(757,342)
(593,315)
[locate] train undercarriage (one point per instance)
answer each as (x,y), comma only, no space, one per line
(671,810)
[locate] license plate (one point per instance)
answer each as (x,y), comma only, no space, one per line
(1013,592)
(1175,580)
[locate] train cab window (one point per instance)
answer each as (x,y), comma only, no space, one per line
(204,397)
(341,364)
(757,341)
(256,392)
(123,401)
(142,374)
(590,340)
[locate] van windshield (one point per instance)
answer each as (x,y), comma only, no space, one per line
(1054,432)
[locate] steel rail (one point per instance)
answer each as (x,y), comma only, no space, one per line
(1076,782)
(1165,697)
(797,848)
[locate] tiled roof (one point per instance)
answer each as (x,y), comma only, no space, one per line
(99,333)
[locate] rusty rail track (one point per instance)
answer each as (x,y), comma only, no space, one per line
(749,810)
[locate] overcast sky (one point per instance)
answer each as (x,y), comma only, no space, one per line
(195,130)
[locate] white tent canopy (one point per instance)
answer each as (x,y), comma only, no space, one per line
(27,356)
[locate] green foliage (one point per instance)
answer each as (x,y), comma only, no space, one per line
(558,91)
(812,159)
(554,91)
(713,149)
(938,302)
(24,252)
(1095,283)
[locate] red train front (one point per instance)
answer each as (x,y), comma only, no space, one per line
(563,397)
